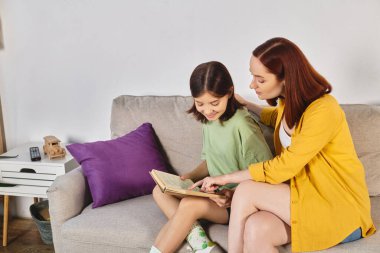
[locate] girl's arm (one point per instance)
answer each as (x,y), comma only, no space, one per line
(198,173)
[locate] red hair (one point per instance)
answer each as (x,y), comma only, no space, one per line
(303,84)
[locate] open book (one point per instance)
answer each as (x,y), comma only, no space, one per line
(174,185)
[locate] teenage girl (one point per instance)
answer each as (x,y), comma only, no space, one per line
(231,141)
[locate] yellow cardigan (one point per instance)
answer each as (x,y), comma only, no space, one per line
(329,195)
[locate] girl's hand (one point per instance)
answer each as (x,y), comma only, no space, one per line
(224,202)
(209,184)
(186,176)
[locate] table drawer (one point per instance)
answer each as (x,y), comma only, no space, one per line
(20,181)
(28,175)
(25,190)
(39,169)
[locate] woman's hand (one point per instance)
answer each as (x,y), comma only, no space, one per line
(209,184)
(240,99)
(250,106)
(226,201)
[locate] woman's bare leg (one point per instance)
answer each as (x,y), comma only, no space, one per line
(251,197)
(264,231)
(190,209)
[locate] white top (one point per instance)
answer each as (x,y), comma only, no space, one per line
(285,139)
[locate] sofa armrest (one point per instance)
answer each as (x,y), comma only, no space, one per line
(68,196)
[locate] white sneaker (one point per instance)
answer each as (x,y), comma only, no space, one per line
(154,250)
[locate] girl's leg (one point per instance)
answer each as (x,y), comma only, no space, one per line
(167,203)
(189,210)
(249,198)
(264,231)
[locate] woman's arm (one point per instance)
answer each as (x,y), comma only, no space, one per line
(267,114)
(320,123)
(210,184)
(198,173)
(236,177)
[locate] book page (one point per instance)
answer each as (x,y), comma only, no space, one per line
(172,184)
(173,181)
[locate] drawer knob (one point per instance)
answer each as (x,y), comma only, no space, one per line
(27,170)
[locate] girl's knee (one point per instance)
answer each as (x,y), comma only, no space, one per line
(157,193)
(195,206)
(189,202)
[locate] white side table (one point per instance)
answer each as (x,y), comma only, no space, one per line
(27,178)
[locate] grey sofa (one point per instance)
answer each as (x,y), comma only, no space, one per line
(131,225)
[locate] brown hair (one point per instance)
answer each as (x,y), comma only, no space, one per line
(303,84)
(214,78)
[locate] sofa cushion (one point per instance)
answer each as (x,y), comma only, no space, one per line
(179,133)
(364,124)
(119,169)
(127,226)
(132,225)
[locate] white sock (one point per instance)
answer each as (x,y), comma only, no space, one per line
(154,250)
(206,250)
(198,239)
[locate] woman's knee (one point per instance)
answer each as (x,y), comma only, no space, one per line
(256,231)
(254,227)
(242,193)
(244,188)
(266,230)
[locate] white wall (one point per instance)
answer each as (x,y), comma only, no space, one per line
(64,61)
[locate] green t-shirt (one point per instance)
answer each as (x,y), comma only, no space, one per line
(233,145)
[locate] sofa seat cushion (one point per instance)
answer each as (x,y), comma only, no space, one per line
(127,226)
(132,225)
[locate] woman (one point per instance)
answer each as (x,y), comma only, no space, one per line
(313,192)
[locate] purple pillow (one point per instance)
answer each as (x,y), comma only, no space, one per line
(119,169)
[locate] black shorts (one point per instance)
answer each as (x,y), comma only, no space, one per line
(229,213)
